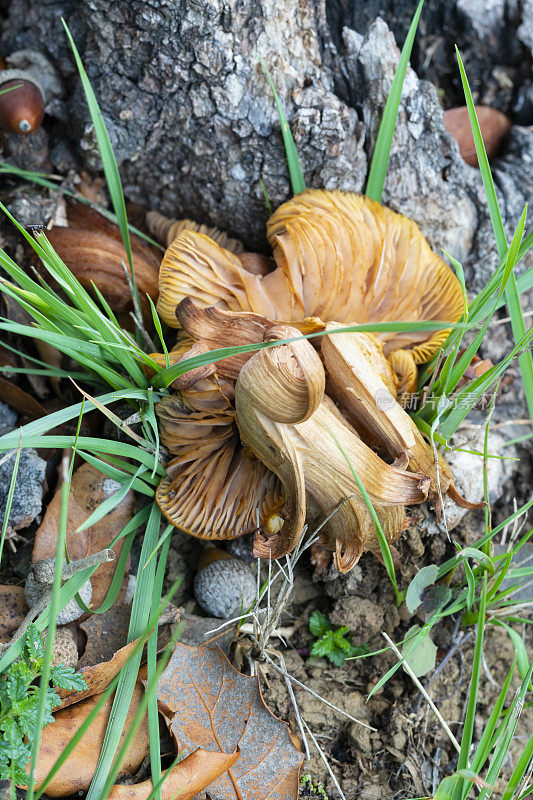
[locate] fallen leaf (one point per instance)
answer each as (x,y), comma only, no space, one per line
(76,773)
(97,676)
(209,704)
(20,400)
(89,488)
(13,608)
(106,650)
(419,651)
(92,247)
(190,776)
(7,357)
(424,577)
(198,631)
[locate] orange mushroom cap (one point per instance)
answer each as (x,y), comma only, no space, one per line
(338,259)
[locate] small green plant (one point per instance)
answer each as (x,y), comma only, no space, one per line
(315,788)
(19,697)
(334,645)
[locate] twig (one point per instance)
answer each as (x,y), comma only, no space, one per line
(296,709)
(324,759)
(426,695)
(495,322)
(44,576)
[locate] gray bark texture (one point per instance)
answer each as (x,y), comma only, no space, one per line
(195,129)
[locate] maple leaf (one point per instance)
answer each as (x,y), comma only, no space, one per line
(209,704)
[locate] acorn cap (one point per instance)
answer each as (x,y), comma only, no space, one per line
(21,102)
(225,588)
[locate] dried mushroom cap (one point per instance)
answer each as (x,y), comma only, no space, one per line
(383,266)
(166,229)
(340,257)
(213,488)
(356,383)
(285,418)
(259,433)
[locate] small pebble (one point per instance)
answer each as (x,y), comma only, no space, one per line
(65,648)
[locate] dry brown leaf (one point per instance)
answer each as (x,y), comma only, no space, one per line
(209,704)
(107,633)
(13,608)
(106,650)
(92,247)
(7,357)
(76,773)
(88,489)
(20,400)
(187,778)
(202,631)
(97,676)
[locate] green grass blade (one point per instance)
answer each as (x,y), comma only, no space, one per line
(519,771)
(468,728)
(465,400)
(382,539)
(459,368)
(97,445)
(295,169)
(72,744)
(511,294)
(47,181)
(159,329)
(381,156)
(52,611)
(151,652)
(109,162)
(166,376)
(40,426)
(109,503)
(486,742)
(118,475)
(10,494)
(504,743)
(149,692)
(483,161)
(140,614)
(116,582)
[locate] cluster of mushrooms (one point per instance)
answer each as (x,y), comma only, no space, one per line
(268,440)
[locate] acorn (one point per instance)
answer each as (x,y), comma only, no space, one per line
(21,102)
(28,84)
(493,124)
(224,586)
